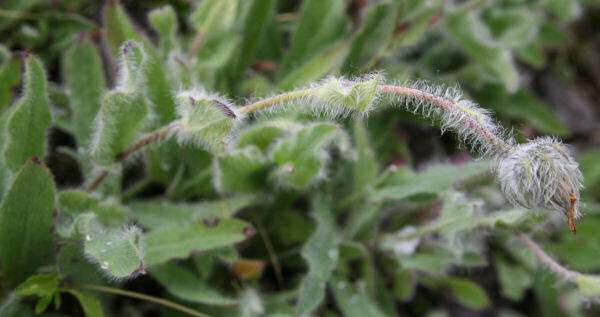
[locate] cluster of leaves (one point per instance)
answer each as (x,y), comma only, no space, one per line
(344,223)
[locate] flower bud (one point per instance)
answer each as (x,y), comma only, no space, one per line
(541,173)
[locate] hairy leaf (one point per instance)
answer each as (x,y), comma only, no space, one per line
(300,158)
(180,242)
(10,77)
(118,30)
(205,121)
(117,252)
(25,222)
(158,214)
(241,170)
(29,118)
(84,78)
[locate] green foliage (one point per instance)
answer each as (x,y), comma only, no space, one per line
(25,222)
(180,242)
(84,77)
(270,157)
(28,119)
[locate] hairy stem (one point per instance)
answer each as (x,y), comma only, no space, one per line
(154,136)
(266,103)
(97,181)
(447,105)
(546,259)
(145,297)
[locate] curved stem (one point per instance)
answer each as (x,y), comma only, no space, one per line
(448,105)
(546,259)
(266,103)
(145,297)
(97,181)
(154,136)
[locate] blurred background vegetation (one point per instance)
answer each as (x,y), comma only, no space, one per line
(535,64)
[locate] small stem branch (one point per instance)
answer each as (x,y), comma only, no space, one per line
(145,297)
(154,136)
(448,105)
(546,259)
(96,182)
(266,103)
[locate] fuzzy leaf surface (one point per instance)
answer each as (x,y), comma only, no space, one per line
(25,222)
(10,77)
(180,242)
(117,252)
(30,116)
(85,81)
(300,157)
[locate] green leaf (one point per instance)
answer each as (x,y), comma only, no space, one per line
(30,116)
(416,28)
(121,118)
(159,214)
(185,285)
(206,122)
(514,279)
(364,170)
(322,253)
(356,96)
(164,22)
(473,36)
(240,170)
(377,29)
(180,242)
(403,183)
(40,285)
(73,265)
(315,68)
(84,78)
(251,31)
(42,304)
(589,167)
(321,23)
(300,157)
(118,30)
(76,201)
(350,301)
(25,222)
(123,109)
(10,77)
(262,134)
(522,105)
(215,22)
(117,252)
(90,304)
(467,293)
